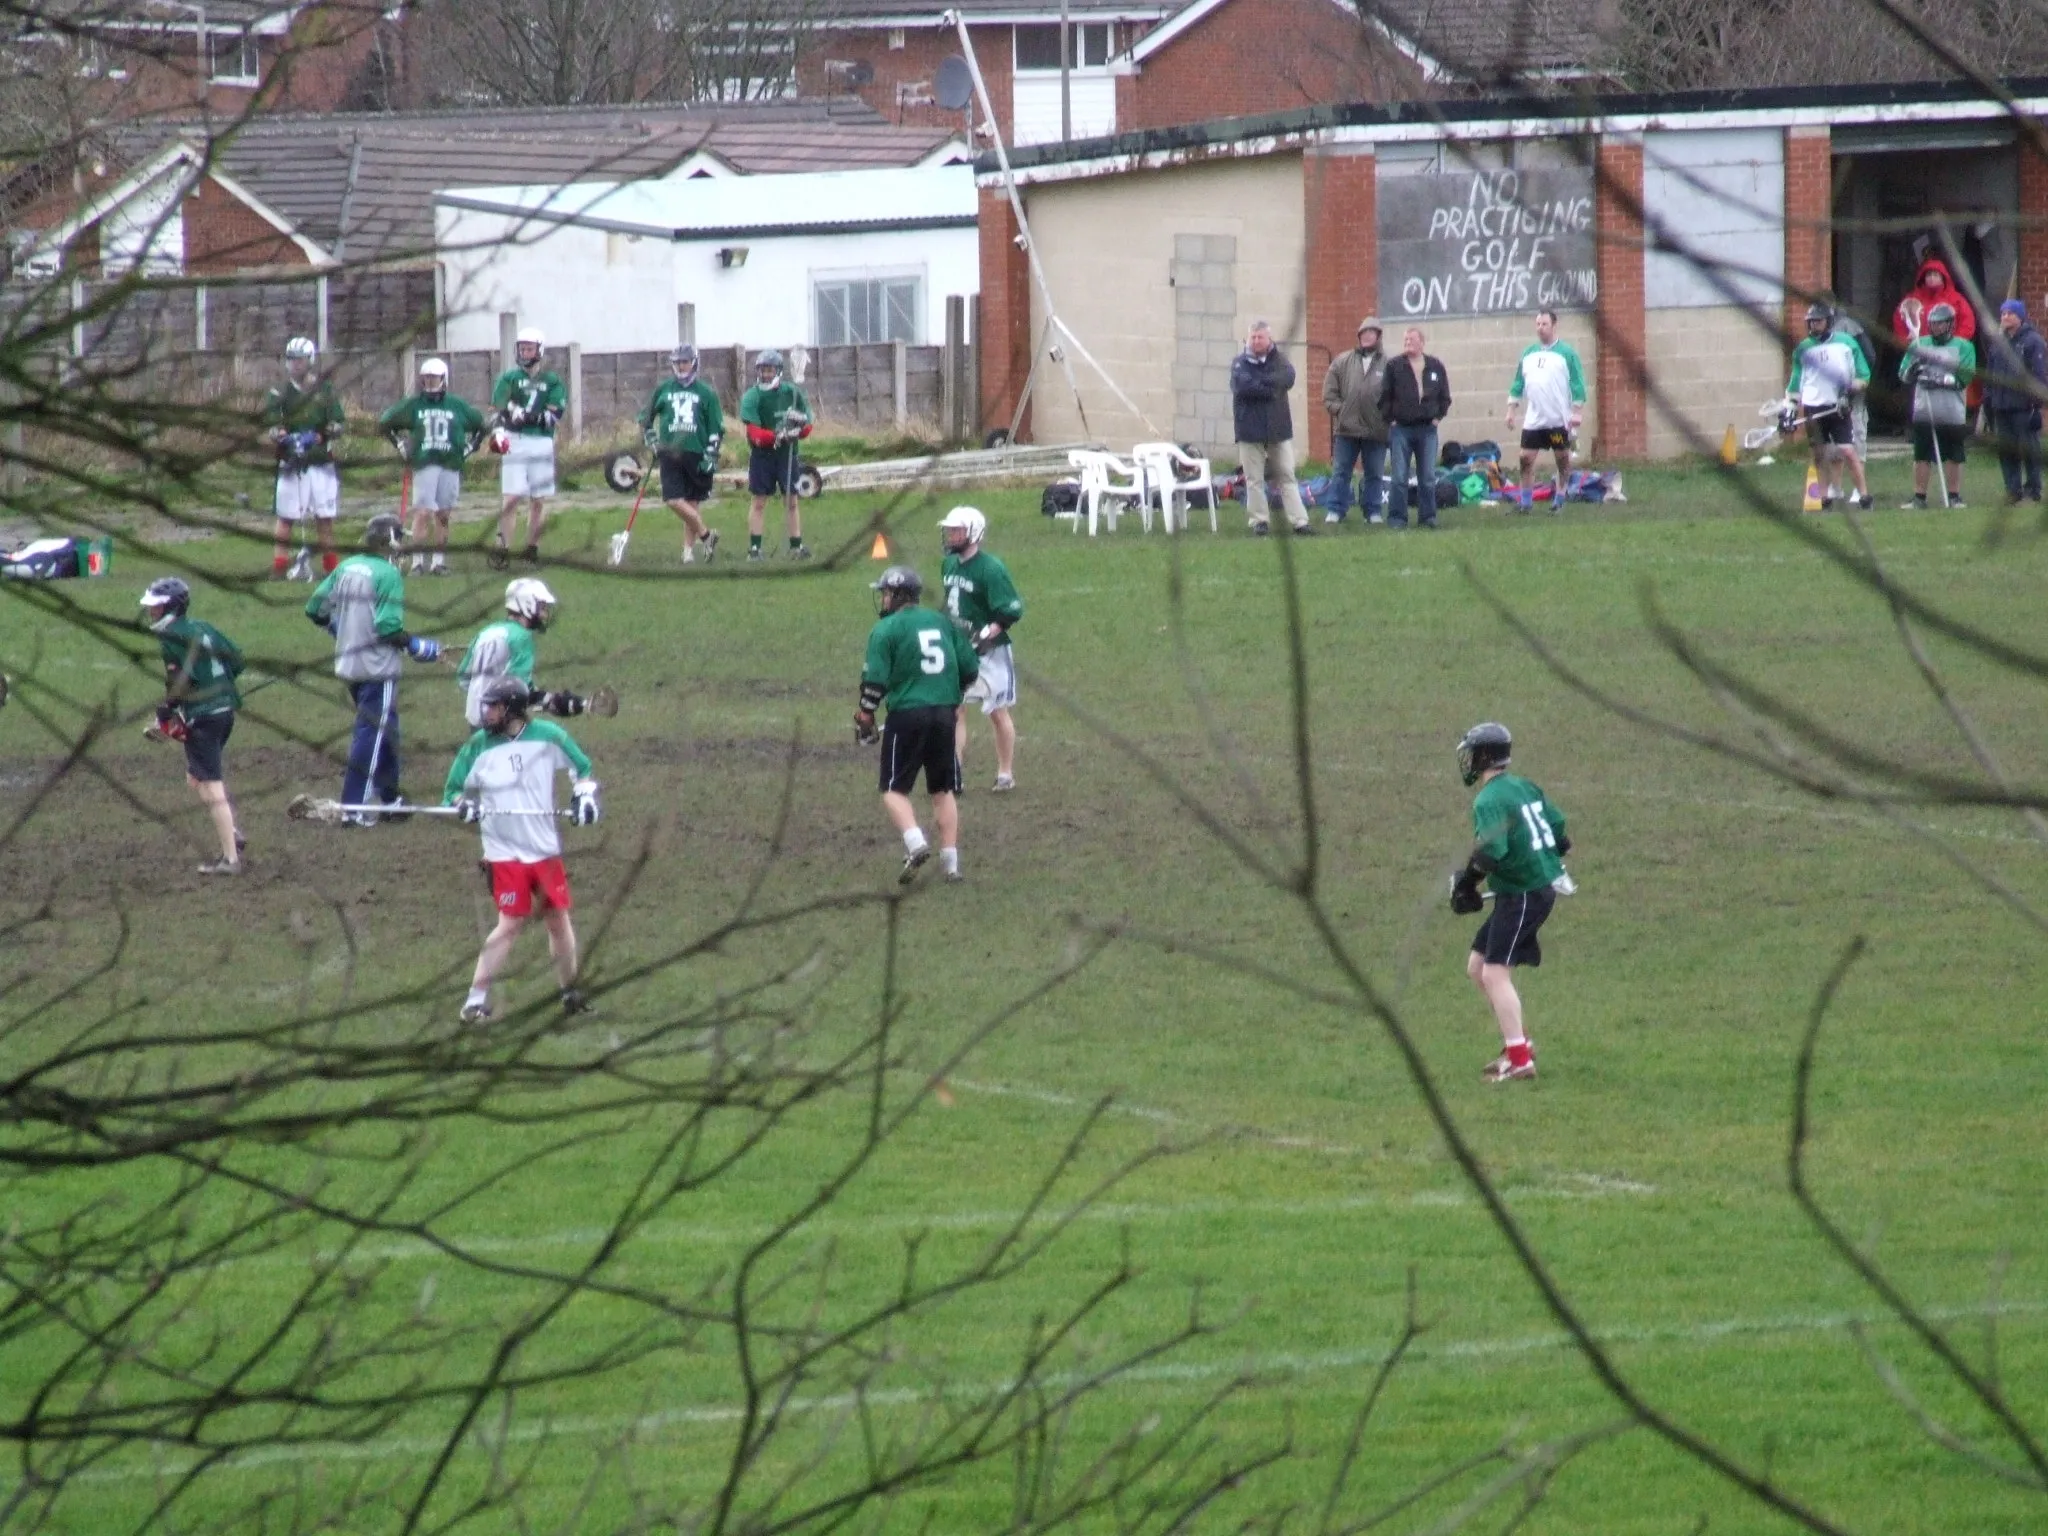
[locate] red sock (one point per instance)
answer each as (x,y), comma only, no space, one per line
(277,562)
(1520,1054)
(329,561)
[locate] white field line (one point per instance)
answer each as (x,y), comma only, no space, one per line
(1264,1368)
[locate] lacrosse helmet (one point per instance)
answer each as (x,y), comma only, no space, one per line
(384,534)
(433,377)
(962,529)
(1484,746)
(898,587)
(768,368)
(682,362)
(528,600)
(1820,319)
(506,693)
(165,601)
(299,355)
(530,337)
(1941,318)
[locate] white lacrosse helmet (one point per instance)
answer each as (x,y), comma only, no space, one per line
(528,598)
(300,349)
(530,337)
(966,521)
(434,368)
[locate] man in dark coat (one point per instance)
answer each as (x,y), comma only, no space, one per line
(2015,386)
(1260,377)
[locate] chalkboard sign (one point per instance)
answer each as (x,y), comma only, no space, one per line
(1486,242)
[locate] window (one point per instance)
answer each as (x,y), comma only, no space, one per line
(867,309)
(1038,47)
(232,58)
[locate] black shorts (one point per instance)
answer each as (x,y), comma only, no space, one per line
(1508,936)
(206,738)
(916,738)
(1834,430)
(772,471)
(1952,440)
(1553,439)
(684,477)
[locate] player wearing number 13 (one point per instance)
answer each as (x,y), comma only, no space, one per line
(1518,848)
(919,664)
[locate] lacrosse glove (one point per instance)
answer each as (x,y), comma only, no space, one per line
(420,648)
(583,810)
(469,810)
(1465,897)
(864,732)
(170,725)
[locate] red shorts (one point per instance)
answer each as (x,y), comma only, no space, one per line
(513,884)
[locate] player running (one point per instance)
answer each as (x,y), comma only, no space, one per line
(436,431)
(200,700)
(1828,372)
(777,417)
(919,664)
(304,418)
(509,765)
(981,596)
(362,604)
(685,425)
(1518,848)
(1551,384)
(530,400)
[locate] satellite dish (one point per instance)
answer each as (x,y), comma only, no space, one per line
(954,86)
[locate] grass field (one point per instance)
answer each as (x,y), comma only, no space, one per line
(1288,1174)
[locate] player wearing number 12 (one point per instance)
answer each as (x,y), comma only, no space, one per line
(919,664)
(1518,849)
(436,431)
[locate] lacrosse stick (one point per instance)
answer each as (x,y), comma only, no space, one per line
(1913,309)
(330,812)
(1940,471)
(1564,885)
(1758,437)
(624,536)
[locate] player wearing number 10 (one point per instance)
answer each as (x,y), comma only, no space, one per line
(1518,848)
(436,431)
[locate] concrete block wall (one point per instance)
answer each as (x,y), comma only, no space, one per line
(1204,280)
(1712,368)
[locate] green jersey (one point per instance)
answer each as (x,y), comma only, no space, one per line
(1518,829)
(200,668)
(1940,372)
(362,600)
(313,412)
(503,649)
(441,428)
(685,418)
(538,398)
(920,659)
(979,592)
(767,408)
(1550,381)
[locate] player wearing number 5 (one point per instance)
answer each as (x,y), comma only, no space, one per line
(983,599)
(919,664)
(1518,849)
(684,425)
(436,431)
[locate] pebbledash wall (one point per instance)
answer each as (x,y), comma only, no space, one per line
(1680,236)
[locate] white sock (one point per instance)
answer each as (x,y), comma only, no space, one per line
(949,861)
(440,562)
(478,996)
(913,840)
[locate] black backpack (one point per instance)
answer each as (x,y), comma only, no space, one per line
(1060,496)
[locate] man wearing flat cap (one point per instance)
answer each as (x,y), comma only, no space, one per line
(1358,433)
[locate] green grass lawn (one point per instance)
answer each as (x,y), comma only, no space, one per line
(1288,1174)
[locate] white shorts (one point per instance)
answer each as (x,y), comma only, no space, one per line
(528,468)
(996,688)
(436,488)
(314,492)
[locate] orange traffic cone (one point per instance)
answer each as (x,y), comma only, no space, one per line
(881,549)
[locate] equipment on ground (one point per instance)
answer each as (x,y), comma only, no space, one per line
(624,536)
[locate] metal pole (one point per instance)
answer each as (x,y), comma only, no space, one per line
(1066,77)
(508,338)
(686,324)
(575,391)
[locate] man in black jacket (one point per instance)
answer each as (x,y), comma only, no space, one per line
(1415,394)
(1260,377)
(2014,387)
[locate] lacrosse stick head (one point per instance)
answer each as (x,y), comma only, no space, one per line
(1757,437)
(306,808)
(618,549)
(604,701)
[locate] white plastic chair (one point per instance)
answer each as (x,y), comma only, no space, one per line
(1169,475)
(1108,487)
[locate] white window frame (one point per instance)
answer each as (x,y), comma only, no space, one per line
(848,276)
(241,42)
(1075,66)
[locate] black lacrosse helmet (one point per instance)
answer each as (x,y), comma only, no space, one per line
(898,587)
(1820,319)
(384,534)
(164,600)
(1485,746)
(506,693)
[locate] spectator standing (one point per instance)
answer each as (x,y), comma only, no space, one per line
(1260,377)
(1932,285)
(2013,392)
(1415,394)
(1358,432)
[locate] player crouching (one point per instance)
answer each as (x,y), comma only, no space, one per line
(503,781)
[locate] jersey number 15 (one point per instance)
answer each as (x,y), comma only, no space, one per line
(1540,835)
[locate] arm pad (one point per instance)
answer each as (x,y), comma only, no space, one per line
(1564,845)
(871,695)
(1481,862)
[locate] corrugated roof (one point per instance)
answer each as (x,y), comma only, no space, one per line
(1492,42)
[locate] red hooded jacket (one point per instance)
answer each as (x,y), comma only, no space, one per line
(1924,299)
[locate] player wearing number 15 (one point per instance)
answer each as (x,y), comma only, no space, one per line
(436,431)
(919,664)
(1518,848)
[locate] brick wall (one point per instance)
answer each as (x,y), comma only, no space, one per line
(1620,383)
(1340,189)
(315,68)
(2033,258)
(1005,338)
(902,87)
(1809,226)
(1252,56)
(223,235)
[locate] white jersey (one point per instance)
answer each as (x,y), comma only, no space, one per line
(1548,381)
(517,773)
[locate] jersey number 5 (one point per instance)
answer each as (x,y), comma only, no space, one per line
(931,647)
(1539,829)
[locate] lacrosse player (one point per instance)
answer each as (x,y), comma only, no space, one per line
(505,649)
(304,419)
(436,431)
(1518,849)
(530,399)
(684,425)
(1551,384)
(362,604)
(1828,372)
(777,417)
(509,765)
(1939,366)
(200,700)
(981,597)
(919,665)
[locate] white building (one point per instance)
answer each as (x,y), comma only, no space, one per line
(818,259)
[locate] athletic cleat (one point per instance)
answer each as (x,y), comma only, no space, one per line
(499,557)
(241,845)
(1004,784)
(753,556)
(531,554)
(912,863)
(439,567)
(476,1013)
(801,552)
(954,877)
(1913,504)
(689,554)
(709,545)
(1956,504)
(417,567)
(221,867)
(574,1001)
(358,819)
(1502,1070)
